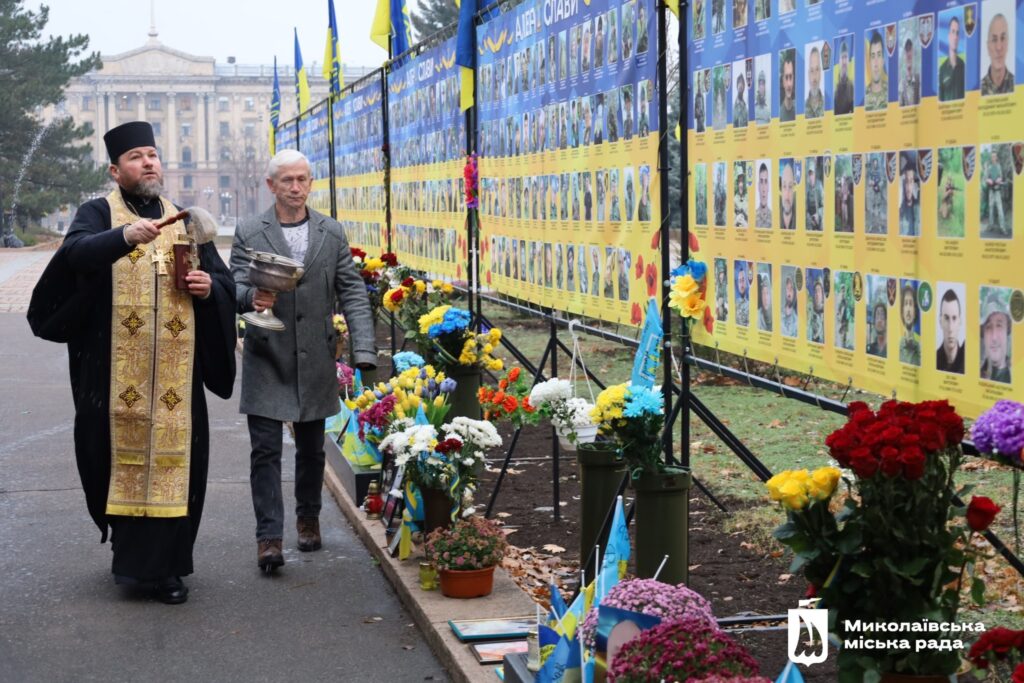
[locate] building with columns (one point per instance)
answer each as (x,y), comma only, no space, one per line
(211,120)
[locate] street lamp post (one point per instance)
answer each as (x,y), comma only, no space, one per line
(225,203)
(207,192)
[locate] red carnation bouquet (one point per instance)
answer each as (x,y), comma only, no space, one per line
(900,548)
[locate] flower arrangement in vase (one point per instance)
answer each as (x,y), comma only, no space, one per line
(899,548)
(454,343)
(392,405)
(373,270)
(633,416)
(409,300)
(449,461)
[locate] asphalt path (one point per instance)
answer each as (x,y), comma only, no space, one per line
(327,616)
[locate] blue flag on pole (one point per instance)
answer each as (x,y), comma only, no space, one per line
(465,51)
(791,674)
(648,356)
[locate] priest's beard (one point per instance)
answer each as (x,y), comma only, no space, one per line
(148,189)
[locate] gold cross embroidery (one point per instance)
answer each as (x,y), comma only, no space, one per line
(161,258)
(130,396)
(133,322)
(175,326)
(135,254)
(170,399)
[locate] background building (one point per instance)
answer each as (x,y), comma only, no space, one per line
(211,120)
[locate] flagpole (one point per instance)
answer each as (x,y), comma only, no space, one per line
(660,567)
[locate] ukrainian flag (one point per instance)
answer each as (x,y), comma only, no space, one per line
(301,82)
(465,51)
(391,20)
(332,57)
(673,6)
(275,111)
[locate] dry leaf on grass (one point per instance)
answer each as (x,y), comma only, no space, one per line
(504,515)
(552,548)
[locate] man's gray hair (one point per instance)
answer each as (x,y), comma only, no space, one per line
(286,157)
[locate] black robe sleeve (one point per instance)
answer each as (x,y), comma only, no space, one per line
(91,245)
(215,325)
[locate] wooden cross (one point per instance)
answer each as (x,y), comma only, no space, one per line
(161,258)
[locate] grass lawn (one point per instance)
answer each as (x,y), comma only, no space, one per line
(784,434)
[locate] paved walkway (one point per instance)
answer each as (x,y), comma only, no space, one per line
(328,616)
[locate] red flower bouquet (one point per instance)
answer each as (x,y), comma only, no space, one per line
(898,549)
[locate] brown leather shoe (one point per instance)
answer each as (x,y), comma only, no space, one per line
(269,555)
(309,533)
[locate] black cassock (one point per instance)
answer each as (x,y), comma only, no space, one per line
(144,548)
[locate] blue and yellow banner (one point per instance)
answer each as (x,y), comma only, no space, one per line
(286,135)
(359,164)
(332,72)
(568,141)
(428,142)
(854,179)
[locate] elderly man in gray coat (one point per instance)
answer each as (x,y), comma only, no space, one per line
(290,375)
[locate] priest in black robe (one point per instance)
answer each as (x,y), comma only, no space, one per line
(140,352)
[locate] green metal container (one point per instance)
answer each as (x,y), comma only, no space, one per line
(464,401)
(601,470)
(662,524)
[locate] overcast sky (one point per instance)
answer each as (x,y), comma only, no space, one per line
(252,31)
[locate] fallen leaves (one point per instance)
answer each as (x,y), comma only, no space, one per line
(552,548)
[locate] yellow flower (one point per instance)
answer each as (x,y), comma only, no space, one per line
(494,336)
(825,481)
(434,317)
(431,372)
(794,494)
(774,484)
(446,288)
(420,286)
(496,365)
(389,304)
(437,284)
(439,401)
(692,307)
(373,264)
(685,285)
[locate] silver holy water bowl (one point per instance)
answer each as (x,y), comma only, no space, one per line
(271,273)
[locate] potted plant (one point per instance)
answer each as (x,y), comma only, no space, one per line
(461,352)
(678,651)
(999,433)
(465,556)
(633,416)
(899,549)
(569,415)
(648,596)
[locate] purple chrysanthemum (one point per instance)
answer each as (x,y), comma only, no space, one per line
(1000,430)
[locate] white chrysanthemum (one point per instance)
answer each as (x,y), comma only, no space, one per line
(551,391)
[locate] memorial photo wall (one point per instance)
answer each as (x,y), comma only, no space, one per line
(427,134)
(854,183)
(286,136)
(315,143)
(568,143)
(359,191)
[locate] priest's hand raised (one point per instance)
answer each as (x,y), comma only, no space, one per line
(142,231)
(199,283)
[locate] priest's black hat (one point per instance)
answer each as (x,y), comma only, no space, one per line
(128,136)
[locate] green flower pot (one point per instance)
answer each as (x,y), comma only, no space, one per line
(600,468)
(464,401)
(662,522)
